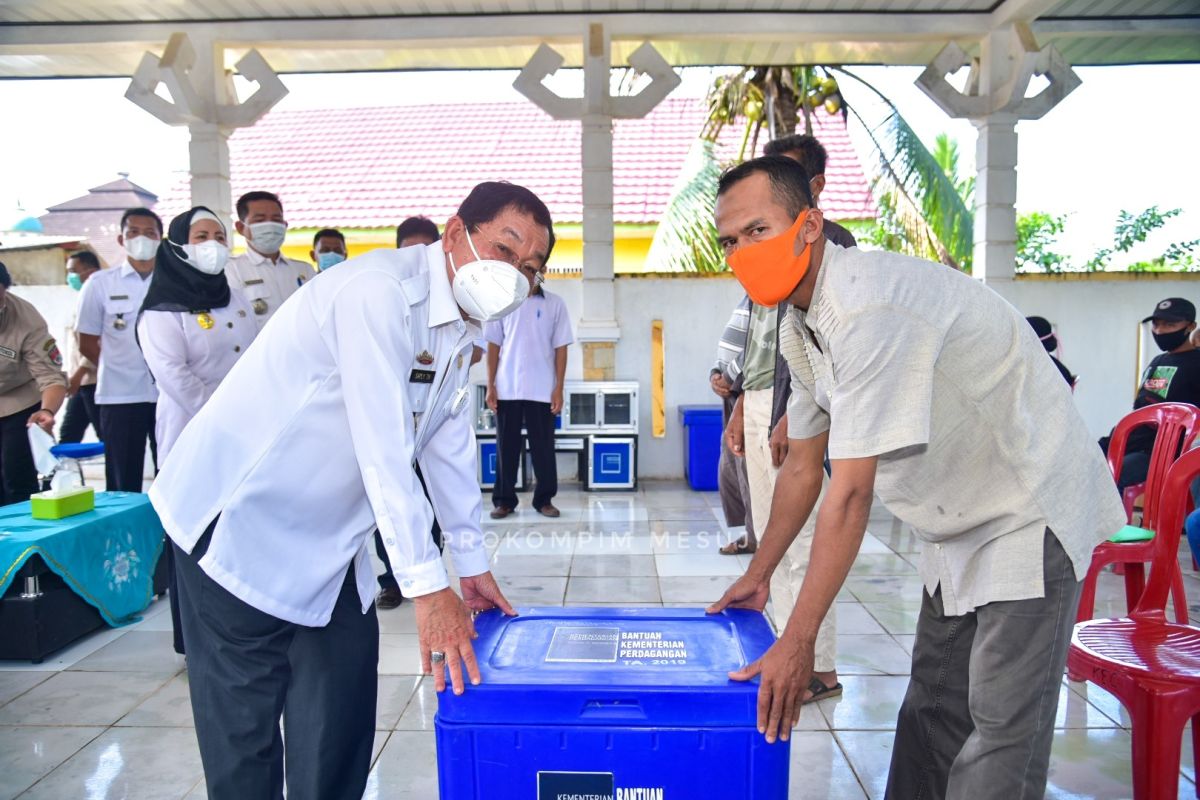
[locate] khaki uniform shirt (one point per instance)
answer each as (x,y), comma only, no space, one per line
(30,361)
(980,446)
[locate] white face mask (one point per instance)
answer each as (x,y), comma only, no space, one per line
(207,257)
(488,289)
(141,248)
(267,237)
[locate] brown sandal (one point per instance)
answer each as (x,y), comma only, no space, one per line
(738,548)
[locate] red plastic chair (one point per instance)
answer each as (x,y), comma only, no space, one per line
(1176,423)
(1151,665)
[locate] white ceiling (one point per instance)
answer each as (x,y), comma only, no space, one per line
(78,38)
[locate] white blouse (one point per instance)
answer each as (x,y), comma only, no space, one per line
(189,354)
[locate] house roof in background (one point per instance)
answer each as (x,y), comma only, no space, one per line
(372,167)
(96,216)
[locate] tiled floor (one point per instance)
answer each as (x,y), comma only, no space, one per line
(109,717)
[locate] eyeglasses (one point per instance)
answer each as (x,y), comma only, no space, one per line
(506,254)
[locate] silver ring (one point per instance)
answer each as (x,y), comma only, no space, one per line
(437,657)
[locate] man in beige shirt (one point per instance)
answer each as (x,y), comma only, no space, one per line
(934,393)
(32,388)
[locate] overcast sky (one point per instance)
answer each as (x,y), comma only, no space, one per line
(1127,138)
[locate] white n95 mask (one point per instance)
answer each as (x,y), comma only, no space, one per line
(207,257)
(488,289)
(141,248)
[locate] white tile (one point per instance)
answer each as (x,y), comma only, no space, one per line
(406,769)
(614,543)
(141,651)
(533,590)
(870,755)
(854,619)
(585,565)
(819,769)
(28,753)
(395,692)
(689,542)
(130,763)
(613,590)
(14,684)
(399,654)
(508,564)
(82,698)
(421,707)
(876,654)
(868,702)
(697,564)
(169,707)
(696,591)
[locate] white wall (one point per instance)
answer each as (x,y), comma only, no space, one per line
(1096,317)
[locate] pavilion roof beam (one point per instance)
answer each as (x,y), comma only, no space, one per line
(518,28)
(1020,11)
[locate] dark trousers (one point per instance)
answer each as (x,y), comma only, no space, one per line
(977,721)
(538,422)
(127,426)
(1134,468)
(81,412)
(18,476)
(247,668)
(388,580)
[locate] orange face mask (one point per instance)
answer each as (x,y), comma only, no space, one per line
(770,270)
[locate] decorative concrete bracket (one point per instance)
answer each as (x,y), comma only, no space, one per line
(194,103)
(646,60)
(1007,95)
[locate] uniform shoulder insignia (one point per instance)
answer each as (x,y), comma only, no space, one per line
(52,352)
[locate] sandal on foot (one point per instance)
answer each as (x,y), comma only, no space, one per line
(822,692)
(737,548)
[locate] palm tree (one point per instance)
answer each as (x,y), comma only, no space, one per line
(924,207)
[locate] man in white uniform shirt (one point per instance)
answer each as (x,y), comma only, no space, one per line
(933,392)
(526,363)
(125,392)
(274,488)
(264,276)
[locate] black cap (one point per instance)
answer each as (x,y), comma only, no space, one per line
(1174,309)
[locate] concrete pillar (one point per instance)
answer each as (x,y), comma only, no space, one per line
(994,102)
(203,99)
(599,329)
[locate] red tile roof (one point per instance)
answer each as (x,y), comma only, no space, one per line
(372,167)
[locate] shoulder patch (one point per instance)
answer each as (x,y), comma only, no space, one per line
(53,353)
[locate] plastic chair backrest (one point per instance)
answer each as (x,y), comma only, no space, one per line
(1177,429)
(1173,503)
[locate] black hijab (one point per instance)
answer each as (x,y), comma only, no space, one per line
(178,286)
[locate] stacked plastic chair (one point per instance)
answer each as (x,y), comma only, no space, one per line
(1150,664)
(1133,547)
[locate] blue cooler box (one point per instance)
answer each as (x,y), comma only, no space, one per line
(610,703)
(701,445)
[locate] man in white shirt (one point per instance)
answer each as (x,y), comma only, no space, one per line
(81,373)
(125,392)
(933,392)
(526,363)
(264,276)
(309,444)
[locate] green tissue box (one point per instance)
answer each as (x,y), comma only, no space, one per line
(63,503)
(1132,533)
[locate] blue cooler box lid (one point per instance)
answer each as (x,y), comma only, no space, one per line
(700,415)
(605,666)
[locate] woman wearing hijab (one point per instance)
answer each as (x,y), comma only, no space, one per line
(192,328)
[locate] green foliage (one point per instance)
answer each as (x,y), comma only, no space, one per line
(1132,230)
(1037,232)
(686,237)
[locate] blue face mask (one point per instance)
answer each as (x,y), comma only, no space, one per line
(329,259)
(74,281)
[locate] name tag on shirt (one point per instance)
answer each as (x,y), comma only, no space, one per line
(421,376)
(4,351)
(253,282)
(118,297)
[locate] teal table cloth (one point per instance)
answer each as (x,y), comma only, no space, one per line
(107,555)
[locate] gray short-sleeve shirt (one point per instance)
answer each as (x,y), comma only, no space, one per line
(980,446)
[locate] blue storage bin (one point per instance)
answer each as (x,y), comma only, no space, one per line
(610,703)
(701,445)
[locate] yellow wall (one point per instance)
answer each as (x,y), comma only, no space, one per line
(632,243)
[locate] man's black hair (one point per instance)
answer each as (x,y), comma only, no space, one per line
(789,181)
(812,153)
(5,278)
(86,257)
(243,203)
(417,226)
(332,233)
(142,212)
(488,200)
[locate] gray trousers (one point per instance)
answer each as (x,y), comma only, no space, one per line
(246,668)
(733,483)
(978,719)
